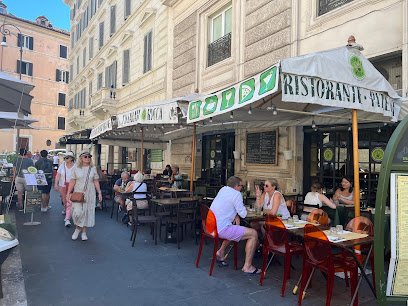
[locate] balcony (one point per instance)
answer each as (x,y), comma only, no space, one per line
(219,50)
(104,101)
(77,117)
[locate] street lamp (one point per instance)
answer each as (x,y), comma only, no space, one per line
(6,32)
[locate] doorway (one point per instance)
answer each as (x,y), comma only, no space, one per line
(218,158)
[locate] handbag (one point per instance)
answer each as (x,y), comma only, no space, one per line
(80,196)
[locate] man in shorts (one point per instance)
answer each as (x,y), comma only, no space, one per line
(20,164)
(119,187)
(46,166)
(228,207)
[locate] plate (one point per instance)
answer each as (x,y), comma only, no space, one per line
(32,170)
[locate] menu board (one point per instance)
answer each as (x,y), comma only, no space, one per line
(32,201)
(156,159)
(398,271)
(262,148)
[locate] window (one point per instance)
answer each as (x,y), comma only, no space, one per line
(71,104)
(62,76)
(26,68)
(112,20)
(25,41)
(99,84)
(147,58)
(220,36)
(110,75)
(63,51)
(72,40)
(84,58)
(126,67)
(128,8)
(326,6)
(91,43)
(2,10)
(61,99)
(61,123)
(101,28)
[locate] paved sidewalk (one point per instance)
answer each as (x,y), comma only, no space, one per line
(106,270)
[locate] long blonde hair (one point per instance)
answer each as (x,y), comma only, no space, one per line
(79,163)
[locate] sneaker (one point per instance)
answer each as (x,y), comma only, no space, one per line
(119,208)
(130,223)
(48,207)
(84,237)
(99,206)
(125,218)
(63,212)
(44,209)
(75,234)
(67,223)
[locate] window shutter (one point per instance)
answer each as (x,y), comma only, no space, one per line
(145,55)
(149,51)
(61,99)
(114,73)
(31,43)
(91,47)
(72,39)
(101,25)
(30,69)
(18,66)
(58,75)
(128,8)
(84,99)
(99,85)
(19,40)
(107,75)
(113,20)
(67,78)
(84,58)
(126,67)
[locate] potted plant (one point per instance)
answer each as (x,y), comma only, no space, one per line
(279,216)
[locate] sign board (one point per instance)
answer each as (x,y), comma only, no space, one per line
(32,201)
(156,159)
(149,114)
(398,270)
(236,96)
(101,128)
(37,179)
(262,148)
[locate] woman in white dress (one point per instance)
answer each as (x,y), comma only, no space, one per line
(61,184)
(83,214)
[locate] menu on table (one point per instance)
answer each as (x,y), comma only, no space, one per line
(397,284)
(261,147)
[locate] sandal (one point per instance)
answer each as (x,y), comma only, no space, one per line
(222,263)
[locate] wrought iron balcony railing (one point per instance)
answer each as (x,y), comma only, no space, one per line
(219,50)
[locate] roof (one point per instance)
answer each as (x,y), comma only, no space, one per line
(9,15)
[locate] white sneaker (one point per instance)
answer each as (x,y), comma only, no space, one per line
(44,209)
(84,237)
(48,207)
(99,206)
(75,234)
(67,223)
(63,212)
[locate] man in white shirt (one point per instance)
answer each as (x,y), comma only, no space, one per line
(228,207)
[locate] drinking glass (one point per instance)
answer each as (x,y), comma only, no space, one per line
(333,231)
(290,220)
(257,210)
(339,229)
(295,218)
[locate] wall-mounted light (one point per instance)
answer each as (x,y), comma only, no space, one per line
(275,111)
(210,119)
(379,130)
(349,128)
(232,115)
(162,126)
(250,111)
(313,124)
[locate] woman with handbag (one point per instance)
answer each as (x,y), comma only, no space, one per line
(85,179)
(61,184)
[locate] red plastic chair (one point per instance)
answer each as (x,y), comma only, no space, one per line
(362,225)
(318,255)
(277,241)
(209,231)
(318,216)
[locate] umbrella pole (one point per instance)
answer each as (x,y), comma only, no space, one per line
(18,140)
(141,154)
(192,158)
(356,166)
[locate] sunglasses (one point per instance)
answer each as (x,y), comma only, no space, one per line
(241,185)
(267,186)
(67,157)
(87,156)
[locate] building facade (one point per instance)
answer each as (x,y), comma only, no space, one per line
(44,64)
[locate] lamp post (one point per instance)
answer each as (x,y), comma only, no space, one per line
(6,32)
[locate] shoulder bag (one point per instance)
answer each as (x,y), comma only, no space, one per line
(80,196)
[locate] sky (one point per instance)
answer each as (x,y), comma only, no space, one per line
(55,10)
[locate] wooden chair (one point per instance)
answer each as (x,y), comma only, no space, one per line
(318,216)
(277,241)
(184,194)
(209,231)
(318,255)
(137,219)
(181,218)
(163,213)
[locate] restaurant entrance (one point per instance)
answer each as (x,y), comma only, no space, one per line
(328,156)
(218,158)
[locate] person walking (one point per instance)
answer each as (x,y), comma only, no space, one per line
(45,165)
(61,184)
(85,179)
(36,157)
(20,164)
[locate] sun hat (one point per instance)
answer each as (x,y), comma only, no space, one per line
(69,154)
(85,152)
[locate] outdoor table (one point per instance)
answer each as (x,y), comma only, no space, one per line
(349,246)
(173,191)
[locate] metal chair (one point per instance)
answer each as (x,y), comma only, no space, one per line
(137,219)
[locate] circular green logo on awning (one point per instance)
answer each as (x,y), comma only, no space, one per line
(357,66)
(328,154)
(377,154)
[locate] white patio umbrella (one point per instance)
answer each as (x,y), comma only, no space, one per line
(15,94)
(9,120)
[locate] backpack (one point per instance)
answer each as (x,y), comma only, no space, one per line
(45,165)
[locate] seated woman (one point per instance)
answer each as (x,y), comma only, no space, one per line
(316,197)
(167,171)
(137,186)
(271,200)
(345,194)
